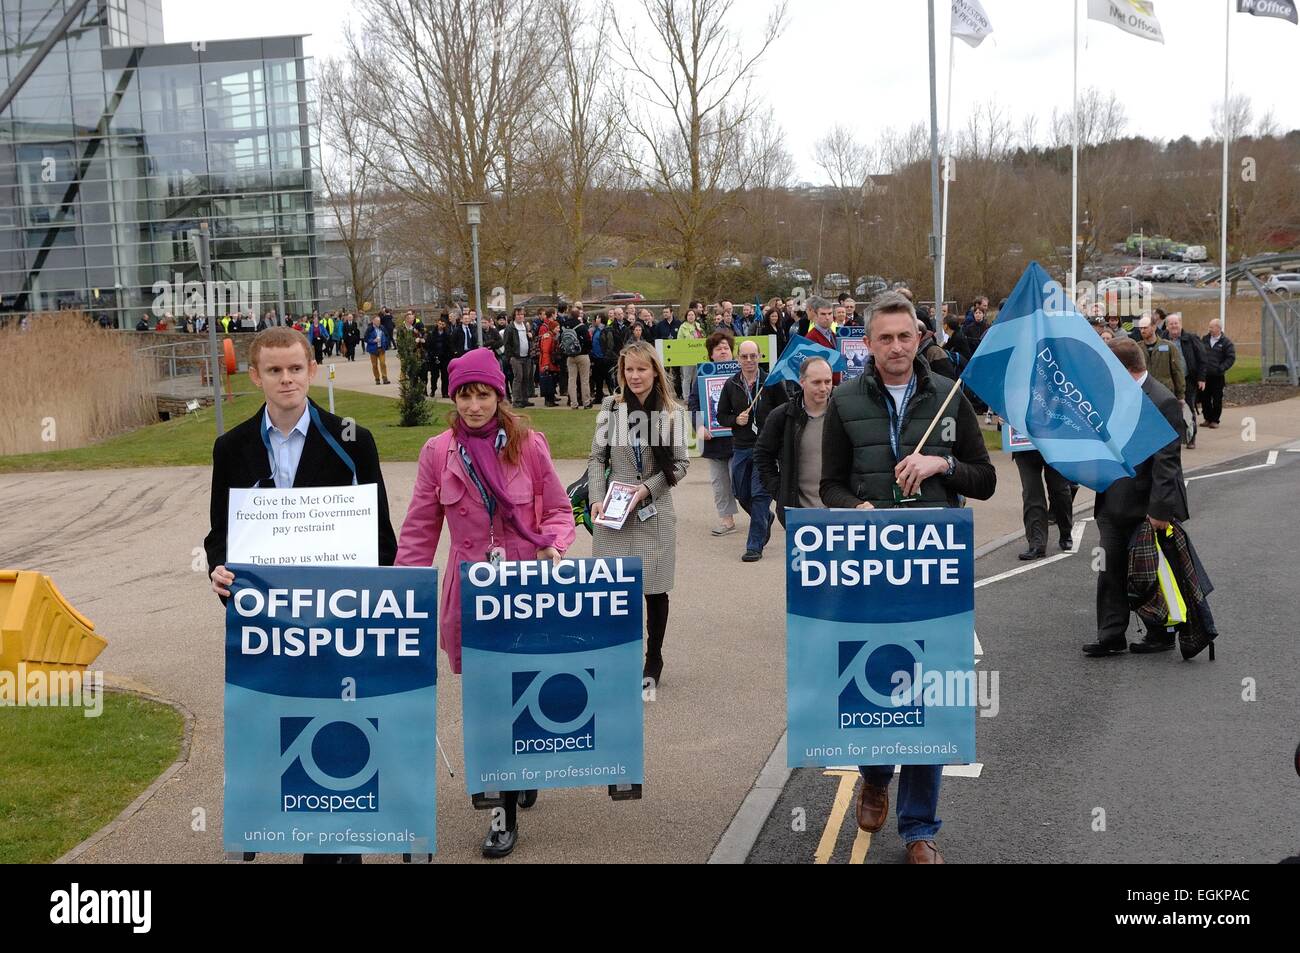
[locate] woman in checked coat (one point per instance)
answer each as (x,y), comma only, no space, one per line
(641,438)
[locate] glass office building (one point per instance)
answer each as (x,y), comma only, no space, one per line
(119,146)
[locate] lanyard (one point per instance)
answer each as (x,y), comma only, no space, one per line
(329,439)
(639,453)
(897,418)
(489,501)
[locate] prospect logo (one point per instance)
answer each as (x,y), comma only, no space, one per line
(868,680)
(326,766)
(553,711)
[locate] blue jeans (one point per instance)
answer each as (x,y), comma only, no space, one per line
(752,497)
(918,797)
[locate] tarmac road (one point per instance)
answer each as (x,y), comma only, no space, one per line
(1185,769)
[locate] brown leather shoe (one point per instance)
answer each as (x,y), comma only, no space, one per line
(923,852)
(873,807)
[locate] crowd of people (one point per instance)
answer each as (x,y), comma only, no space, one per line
(490,482)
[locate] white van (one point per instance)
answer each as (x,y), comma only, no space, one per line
(1195,253)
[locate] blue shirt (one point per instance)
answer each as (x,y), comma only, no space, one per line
(286,452)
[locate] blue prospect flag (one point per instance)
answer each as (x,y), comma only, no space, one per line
(1047,373)
(796,351)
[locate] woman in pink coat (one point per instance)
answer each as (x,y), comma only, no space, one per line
(491,479)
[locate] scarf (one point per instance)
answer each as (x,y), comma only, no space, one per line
(481,445)
(662,453)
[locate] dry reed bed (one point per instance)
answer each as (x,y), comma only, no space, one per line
(67,383)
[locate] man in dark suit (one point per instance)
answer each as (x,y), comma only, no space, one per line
(1156,494)
(290,442)
(464,337)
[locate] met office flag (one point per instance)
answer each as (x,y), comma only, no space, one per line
(796,352)
(1132,16)
(969,21)
(1282,9)
(1047,373)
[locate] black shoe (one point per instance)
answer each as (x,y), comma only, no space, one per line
(527,798)
(552,403)
(386,381)
(1067,544)
(1102,649)
(1033,552)
(500,843)
(752,556)
(1150,646)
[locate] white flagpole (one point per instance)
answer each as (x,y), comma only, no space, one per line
(947,170)
(1223,212)
(1074,175)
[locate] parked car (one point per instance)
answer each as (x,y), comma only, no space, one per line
(1285,284)
(835,280)
(1142,271)
(622,297)
(1124,285)
(1184,274)
(800,275)
(1174,250)
(729,263)
(603,263)
(1195,253)
(1203,272)
(870,286)
(1162,272)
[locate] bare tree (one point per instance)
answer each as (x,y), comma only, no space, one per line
(688,108)
(350,175)
(847,165)
(577,134)
(455,101)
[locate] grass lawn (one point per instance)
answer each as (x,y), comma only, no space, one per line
(188,442)
(654,284)
(1245,370)
(66,775)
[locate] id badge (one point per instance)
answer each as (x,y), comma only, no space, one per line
(646,512)
(900,498)
(496,555)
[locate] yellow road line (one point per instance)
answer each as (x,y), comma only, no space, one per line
(861,844)
(843,797)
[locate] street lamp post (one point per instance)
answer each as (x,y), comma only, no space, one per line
(473,216)
(277,253)
(203,252)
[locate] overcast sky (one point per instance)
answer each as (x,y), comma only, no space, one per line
(863,63)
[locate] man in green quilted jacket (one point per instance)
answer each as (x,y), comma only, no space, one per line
(870,460)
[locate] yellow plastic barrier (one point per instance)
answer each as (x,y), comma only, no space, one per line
(39,628)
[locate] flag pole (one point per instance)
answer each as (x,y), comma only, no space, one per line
(956,385)
(1223,212)
(936,226)
(947,174)
(1074,174)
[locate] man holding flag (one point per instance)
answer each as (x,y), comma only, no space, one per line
(877,453)
(1099,421)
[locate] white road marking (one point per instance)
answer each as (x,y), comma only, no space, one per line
(1272,459)
(972,770)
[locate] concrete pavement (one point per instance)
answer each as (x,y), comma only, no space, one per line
(124,546)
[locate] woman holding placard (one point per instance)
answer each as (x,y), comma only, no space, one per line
(641,440)
(491,479)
